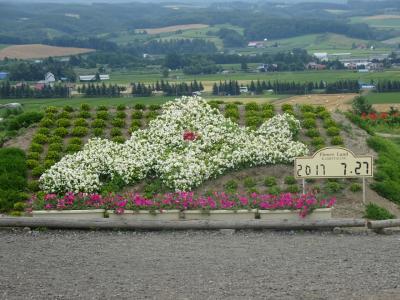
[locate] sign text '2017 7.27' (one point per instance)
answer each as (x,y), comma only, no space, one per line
(334,162)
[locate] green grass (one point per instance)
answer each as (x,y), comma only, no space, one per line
(150,76)
(382,98)
(378,23)
(39,104)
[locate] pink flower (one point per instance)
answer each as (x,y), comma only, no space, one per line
(48,206)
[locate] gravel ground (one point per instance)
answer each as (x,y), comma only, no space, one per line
(198,265)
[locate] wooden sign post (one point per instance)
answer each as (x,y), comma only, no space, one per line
(334,162)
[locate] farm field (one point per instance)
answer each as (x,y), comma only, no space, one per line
(379,21)
(40,104)
(173,28)
(384,98)
(149,76)
(39,51)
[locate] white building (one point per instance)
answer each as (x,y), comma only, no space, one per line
(93,77)
(49,78)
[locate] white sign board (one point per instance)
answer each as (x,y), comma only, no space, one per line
(333,162)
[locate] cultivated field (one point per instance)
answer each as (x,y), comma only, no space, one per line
(173,28)
(380,21)
(39,51)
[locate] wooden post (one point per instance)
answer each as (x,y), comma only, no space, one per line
(176,225)
(383,224)
(364,201)
(304,186)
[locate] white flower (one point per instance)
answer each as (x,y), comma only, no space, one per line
(181,164)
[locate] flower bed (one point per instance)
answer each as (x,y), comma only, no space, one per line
(190,142)
(193,207)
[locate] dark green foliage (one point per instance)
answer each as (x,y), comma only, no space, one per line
(61,132)
(103,115)
(309,123)
(355,187)
(312,133)
(40,139)
(293,188)
(120,123)
(36,148)
(79,131)
(114,185)
(387,177)
(23,120)
(269,181)
(231,186)
(361,106)
(72,148)
(120,115)
(274,190)
(137,114)
(85,107)
(249,182)
(333,131)
(98,123)
(115,132)
(63,123)
(337,140)
(81,122)
(118,139)
(98,132)
(121,107)
(140,106)
(76,141)
(290,180)
(333,187)
(375,212)
(84,114)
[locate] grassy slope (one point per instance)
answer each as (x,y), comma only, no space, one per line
(380,98)
(378,23)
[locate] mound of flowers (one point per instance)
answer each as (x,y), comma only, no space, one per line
(183,201)
(190,142)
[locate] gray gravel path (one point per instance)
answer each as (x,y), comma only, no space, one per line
(198,265)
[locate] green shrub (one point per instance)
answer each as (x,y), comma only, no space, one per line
(267,114)
(290,180)
(55,140)
(85,107)
(48,163)
(333,187)
(115,132)
(309,115)
(79,131)
(269,181)
(151,115)
(84,115)
(137,114)
(312,133)
(102,108)
(324,115)
(375,212)
(317,141)
(63,123)
(231,106)
(32,163)
(61,132)
(35,147)
(98,132)
(286,107)
(154,107)
(337,140)
(293,188)
(43,130)
(72,148)
(68,108)
(121,107)
(333,131)
(231,186)
(56,147)
(51,109)
(64,115)
(38,171)
(140,106)
(120,123)
(76,141)
(98,123)
(46,122)
(33,186)
(118,139)
(252,106)
(309,123)
(267,107)
(81,122)
(306,108)
(249,182)
(33,155)
(274,190)
(120,115)
(355,187)
(133,128)
(253,122)
(19,206)
(40,139)
(329,123)
(103,115)
(53,155)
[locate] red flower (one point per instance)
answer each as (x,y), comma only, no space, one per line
(189,136)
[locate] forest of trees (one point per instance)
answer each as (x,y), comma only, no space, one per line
(8,91)
(232,87)
(388,86)
(96,90)
(174,89)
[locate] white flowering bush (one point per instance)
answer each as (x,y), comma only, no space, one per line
(187,144)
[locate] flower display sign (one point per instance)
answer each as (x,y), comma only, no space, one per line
(181,158)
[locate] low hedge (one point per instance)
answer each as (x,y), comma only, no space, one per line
(13,177)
